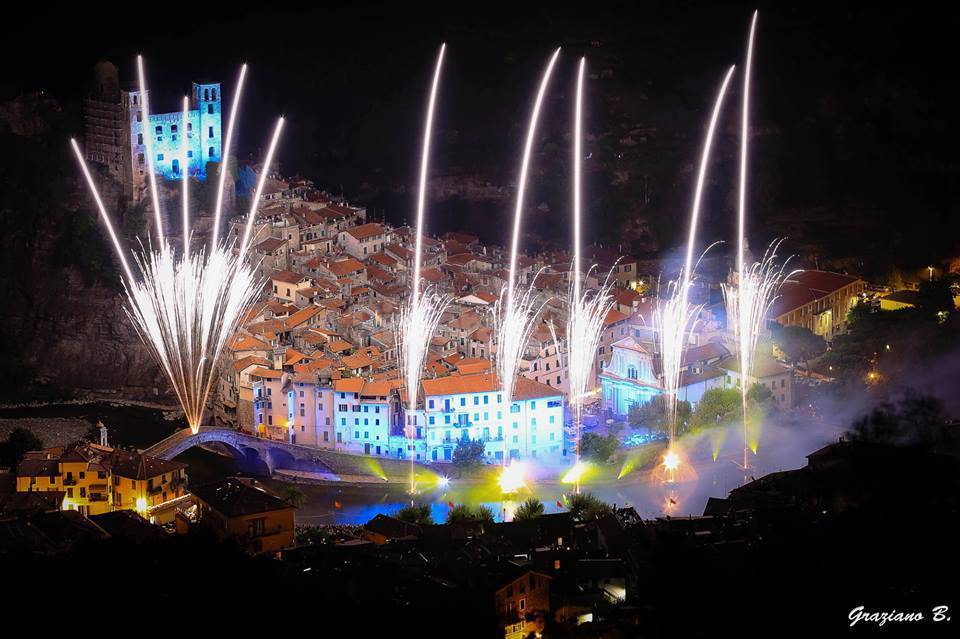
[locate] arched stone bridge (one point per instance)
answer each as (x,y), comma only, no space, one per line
(247,448)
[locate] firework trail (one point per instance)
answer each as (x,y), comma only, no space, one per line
(421,315)
(748,304)
(514,316)
(673,319)
(587,311)
(226,148)
(185,308)
(148,147)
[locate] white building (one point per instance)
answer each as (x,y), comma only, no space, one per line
(629,379)
(472,407)
(363,415)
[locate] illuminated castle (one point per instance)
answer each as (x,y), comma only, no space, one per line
(115,134)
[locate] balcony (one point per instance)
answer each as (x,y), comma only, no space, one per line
(97,497)
(69,481)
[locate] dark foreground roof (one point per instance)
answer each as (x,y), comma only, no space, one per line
(238,496)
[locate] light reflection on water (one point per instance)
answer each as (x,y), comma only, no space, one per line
(330,504)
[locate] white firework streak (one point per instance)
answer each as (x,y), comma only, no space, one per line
(514,324)
(674,318)
(587,312)
(185,308)
(747,307)
(672,321)
(515,316)
(421,315)
(418,322)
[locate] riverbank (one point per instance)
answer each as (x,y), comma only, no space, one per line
(58,431)
(129,423)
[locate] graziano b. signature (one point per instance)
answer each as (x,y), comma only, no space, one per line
(880,618)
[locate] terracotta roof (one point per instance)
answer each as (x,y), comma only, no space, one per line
(366,231)
(348,385)
(249,343)
(289,277)
(613,317)
(266,373)
(301,316)
(804,287)
(344,267)
(134,465)
(293,356)
(339,346)
(269,245)
(485,382)
(250,360)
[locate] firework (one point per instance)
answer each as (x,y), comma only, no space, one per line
(675,317)
(757,284)
(514,316)
(225,155)
(587,310)
(186,307)
(747,304)
(421,315)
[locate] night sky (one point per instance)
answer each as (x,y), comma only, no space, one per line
(858,103)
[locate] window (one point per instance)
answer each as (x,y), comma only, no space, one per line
(210,108)
(139,138)
(210,132)
(210,152)
(206,94)
(159,157)
(159,130)
(213,94)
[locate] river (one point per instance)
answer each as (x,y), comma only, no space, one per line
(140,426)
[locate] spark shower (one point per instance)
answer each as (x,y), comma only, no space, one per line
(185,307)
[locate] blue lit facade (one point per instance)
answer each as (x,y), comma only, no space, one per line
(203,131)
(630,378)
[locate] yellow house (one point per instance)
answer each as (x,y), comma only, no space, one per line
(147,484)
(98,479)
(247,511)
(81,471)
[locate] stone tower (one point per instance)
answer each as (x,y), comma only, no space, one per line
(206,100)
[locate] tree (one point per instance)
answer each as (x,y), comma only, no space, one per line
(530,509)
(653,414)
(18,443)
(913,420)
(416,513)
(759,394)
(799,344)
(463,513)
(935,296)
(598,448)
(587,506)
(468,454)
(717,406)
(294,496)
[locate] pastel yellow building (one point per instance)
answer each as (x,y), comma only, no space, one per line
(98,479)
